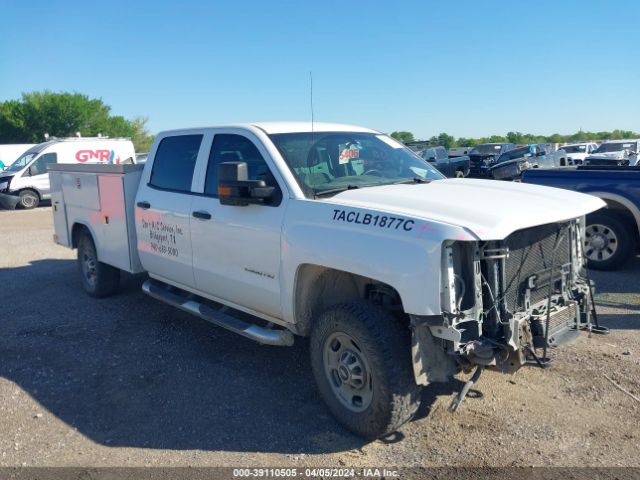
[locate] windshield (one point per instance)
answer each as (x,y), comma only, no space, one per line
(575,148)
(616,147)
(21,162)
(329,162)
(486,149)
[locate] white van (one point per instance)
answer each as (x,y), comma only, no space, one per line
(26,181)
(9,152)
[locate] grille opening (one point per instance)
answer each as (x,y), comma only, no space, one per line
(529,264)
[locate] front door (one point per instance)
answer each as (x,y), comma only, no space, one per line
(38,175)
(236,250)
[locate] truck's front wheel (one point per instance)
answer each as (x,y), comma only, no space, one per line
(361,360)
(28,199)
(98,279)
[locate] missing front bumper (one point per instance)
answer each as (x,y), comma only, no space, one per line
(8,202)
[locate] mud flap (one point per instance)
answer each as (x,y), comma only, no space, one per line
(9,202)
(430,360)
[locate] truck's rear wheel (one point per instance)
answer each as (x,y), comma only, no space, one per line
(607,242)
(98,279)
(361,360)
(28,199)
(459,174)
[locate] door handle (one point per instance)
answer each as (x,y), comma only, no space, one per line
(144,205)
(202,215)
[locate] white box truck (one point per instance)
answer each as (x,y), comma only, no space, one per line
(25,182)
(398,276)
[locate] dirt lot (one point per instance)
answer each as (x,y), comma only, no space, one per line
(128,381)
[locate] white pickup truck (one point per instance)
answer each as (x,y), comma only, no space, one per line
(399,276)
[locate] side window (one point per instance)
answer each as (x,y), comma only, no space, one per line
(174,162)
(40,165)
(441,153)
(236,148)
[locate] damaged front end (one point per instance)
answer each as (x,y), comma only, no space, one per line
(8,200)
(504,302)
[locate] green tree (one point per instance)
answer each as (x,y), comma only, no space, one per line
(62,115)
(514,137)
(403,136)
(445,140)
(467,142)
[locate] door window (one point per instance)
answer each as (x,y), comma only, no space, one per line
(236,148)
(174,163)
(40,165)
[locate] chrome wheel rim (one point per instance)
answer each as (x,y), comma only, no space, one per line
(600,242)
(347,370)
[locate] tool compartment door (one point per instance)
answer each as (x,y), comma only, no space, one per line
(111,223)
(60,224)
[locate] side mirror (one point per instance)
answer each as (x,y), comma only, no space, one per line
(234,188)
(540,153)
(431,159)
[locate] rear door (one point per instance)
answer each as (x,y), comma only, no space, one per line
(163,208)
(236,250)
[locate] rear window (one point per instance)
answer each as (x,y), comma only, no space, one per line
(174,162)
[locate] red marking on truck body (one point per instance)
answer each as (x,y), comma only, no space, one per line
(85,155)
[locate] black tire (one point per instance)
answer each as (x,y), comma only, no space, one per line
(385,348)
(98,279)
(29,199)
(608,241)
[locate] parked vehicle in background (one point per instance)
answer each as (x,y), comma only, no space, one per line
(615,152)
(142,157)
(457,167)
(511,164)
(612,234)
(484,156)
(399,276)
(11,151)
(577,152)
(25,182)
(459,151)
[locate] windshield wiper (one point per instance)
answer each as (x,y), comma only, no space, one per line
(412,180)
(335,190)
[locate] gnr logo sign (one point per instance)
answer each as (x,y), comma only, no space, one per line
(98,155)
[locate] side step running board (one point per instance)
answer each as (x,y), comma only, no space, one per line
(190,304)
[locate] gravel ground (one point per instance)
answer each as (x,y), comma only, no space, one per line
(128,381)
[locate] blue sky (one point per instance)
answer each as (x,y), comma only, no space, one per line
(468,68)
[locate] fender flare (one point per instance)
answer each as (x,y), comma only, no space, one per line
(614,197)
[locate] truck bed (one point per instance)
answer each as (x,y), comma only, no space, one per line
(101,198)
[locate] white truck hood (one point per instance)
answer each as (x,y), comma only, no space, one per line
(488,209)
